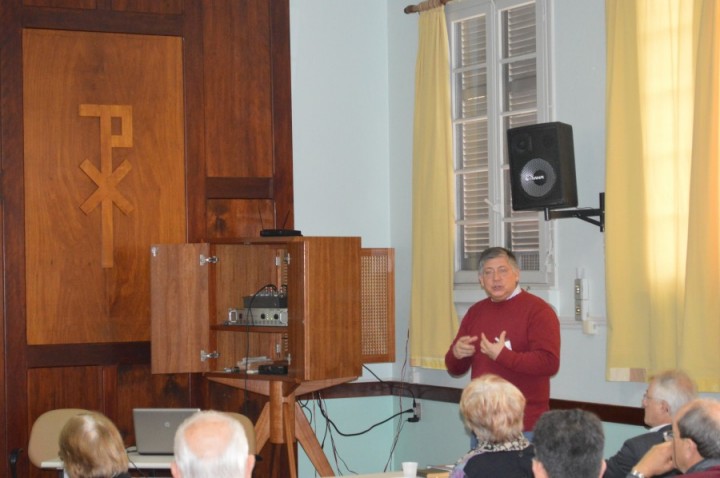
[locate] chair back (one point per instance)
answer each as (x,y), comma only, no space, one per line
(247,424)
(45,432)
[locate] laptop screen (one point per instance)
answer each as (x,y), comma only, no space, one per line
(155,428)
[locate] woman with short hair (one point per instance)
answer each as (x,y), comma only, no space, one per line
(493,410)
(91,447)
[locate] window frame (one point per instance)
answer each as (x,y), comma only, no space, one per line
(498,189)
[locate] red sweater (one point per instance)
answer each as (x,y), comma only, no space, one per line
(533,330)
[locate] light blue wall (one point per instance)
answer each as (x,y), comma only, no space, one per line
(438,438)
(353,84)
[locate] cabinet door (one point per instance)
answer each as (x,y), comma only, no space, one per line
(324,301)
(179,307)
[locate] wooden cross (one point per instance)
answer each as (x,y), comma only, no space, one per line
(106,178)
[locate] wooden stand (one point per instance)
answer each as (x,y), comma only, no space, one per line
(282,421)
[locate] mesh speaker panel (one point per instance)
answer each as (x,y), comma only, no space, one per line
(377,305)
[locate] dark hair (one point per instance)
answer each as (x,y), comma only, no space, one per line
(569,443)
(701,425)
(493,252)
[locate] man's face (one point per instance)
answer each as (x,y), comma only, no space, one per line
(681,458)
(656,410)
(499,278)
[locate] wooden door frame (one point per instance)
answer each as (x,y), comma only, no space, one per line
(18,356)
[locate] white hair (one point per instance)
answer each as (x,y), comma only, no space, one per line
(227,460)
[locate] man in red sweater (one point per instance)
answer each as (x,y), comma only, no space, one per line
(511,333)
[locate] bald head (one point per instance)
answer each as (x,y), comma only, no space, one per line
(211,444)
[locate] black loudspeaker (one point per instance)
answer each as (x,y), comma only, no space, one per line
(542,166)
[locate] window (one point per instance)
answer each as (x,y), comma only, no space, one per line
(500,80)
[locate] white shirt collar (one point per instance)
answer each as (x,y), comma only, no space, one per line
(517,290)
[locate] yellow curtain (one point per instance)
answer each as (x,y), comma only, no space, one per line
(433,320)
(663,211)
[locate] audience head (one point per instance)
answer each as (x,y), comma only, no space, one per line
(568,443)
(91,447)
(667,392)
(211,444)
(493,409)
(696,433)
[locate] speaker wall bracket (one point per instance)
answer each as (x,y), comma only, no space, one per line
(583,213)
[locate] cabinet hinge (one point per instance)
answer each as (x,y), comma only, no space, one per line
(208,355)
(208,260)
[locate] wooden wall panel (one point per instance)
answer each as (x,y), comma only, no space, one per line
(232,218)
(64,387)
(138,388)
(79,4)
(236,51)
(104,179)
(164,7)
(61,387)
(237,79)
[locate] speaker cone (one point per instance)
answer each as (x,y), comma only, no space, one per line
(537,177)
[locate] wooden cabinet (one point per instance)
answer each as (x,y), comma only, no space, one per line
(195,285)
(339,316)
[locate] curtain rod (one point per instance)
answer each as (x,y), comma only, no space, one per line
(426,5)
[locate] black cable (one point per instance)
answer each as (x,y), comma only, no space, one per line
(414,418)
(132,463)
(324,414)
(248,321)
(321,404)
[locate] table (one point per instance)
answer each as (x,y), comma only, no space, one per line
(389,474)
(137,462)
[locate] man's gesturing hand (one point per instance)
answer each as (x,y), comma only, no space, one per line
(465,347)
(492,349)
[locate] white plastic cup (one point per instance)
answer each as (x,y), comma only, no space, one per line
(409,469)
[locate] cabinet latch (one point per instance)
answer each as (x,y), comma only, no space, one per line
(208,260)
(208,355)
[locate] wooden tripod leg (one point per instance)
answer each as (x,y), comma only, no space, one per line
(290,437)
(308,440)
(262,428)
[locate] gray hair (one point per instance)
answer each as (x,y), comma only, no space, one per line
(495,252)
(228,460)
(675,388)
(701,424)
(493,408)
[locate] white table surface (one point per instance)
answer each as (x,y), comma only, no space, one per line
(389,474)
(137,461)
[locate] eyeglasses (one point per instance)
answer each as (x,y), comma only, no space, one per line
(501,271)
(647,397)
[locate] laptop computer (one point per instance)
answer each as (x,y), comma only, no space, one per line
(155,428)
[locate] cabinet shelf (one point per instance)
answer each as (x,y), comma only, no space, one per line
(251,376)
(252,328)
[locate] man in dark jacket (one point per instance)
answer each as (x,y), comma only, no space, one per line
(667,392)
(694,448)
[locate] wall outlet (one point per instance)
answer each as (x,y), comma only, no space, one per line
(416,410)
